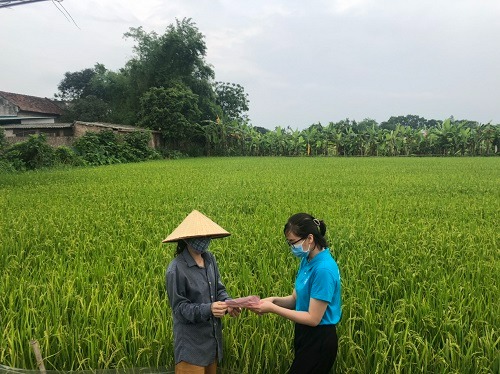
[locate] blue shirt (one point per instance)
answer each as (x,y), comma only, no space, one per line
(320,279)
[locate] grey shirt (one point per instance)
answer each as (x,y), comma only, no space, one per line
(191,291)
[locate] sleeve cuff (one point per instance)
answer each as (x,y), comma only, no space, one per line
(206,312)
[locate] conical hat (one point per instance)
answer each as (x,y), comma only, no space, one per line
(196,225)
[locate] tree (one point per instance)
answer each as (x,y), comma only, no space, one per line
(232,99)
(410,120)
(176,57)
(173,111)
(80,84)
(89,108)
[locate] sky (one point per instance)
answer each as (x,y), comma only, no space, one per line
(300,62)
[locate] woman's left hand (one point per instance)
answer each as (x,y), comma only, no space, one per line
(265,306)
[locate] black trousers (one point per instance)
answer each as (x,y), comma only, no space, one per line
(315,349)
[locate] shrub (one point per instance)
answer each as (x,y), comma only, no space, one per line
(31,154)
(3,141)
(136,146)
(66,156)
(98,148)
(107,147)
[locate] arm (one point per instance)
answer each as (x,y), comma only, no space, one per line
(312,317)
(181,306)
(287,302)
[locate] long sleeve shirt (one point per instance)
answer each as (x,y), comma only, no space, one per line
(191,291)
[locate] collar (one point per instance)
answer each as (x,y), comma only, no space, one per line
(320,254)
(190,260)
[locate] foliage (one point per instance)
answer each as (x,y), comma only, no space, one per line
(33,153)
(173,154)
(136,146)
(174,61)
(76,85)
(98,148)
(175,58)
(107,147)
(351,138)
(67,156)
(3,140)
(173,111)
(416,240)
(232,100)
(410,120)
(89,109)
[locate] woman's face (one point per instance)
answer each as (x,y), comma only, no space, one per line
(295,240)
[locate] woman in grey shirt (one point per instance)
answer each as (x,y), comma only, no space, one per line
(196,295)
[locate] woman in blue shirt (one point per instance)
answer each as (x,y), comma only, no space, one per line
(315,303)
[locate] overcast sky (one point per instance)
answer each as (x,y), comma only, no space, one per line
(301,62)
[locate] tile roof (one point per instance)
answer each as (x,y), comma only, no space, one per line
(32,103)
(113,126)
(37,126)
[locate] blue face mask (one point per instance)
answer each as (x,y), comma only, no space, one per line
(299,252)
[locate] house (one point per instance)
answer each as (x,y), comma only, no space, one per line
(24,115)
(80,128)
(64,134)
(25,109)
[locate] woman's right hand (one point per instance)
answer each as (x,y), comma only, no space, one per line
(218,309)
(271,299)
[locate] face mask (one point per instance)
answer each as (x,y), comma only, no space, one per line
(200,245)
(299,252)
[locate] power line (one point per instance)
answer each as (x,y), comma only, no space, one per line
(57,4)
(11,3)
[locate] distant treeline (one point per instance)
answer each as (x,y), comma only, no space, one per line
(399,136)
(344,138)
(168,86)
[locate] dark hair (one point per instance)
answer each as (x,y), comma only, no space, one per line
(303,224)
(181,246)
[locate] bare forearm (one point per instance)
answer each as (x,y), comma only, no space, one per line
(304,318)
(287,302)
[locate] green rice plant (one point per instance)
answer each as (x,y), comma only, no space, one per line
(416,239)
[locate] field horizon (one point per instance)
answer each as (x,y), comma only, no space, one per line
(416,240)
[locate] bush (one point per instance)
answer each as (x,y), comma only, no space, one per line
(98,148)
(136,146)
(6,167)
(107,147)
(173,154)
(3,141)
(66,156)
(31,154)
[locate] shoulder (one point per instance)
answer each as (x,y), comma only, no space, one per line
(327,265)
(209,256)
(174,264)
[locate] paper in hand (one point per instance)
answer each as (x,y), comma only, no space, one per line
(243,302)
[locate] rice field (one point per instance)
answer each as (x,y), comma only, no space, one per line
(416,239)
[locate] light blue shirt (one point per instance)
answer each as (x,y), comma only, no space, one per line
(320,279)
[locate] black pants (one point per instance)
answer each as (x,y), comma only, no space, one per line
(315,349)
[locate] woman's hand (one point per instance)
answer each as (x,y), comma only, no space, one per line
(265,306)
(234,311)
(218,309)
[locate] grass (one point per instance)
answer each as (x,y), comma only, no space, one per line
(416,240)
